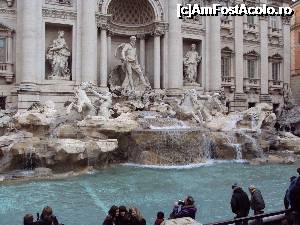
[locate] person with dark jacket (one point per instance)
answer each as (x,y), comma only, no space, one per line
(240,204)
(123,217)
(257,203)
(47,217)
(184,209)
(113,213)
(293,197)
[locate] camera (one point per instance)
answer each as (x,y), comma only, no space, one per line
(180,202)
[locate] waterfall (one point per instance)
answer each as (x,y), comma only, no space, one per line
(207,146)
(29,159)
(255,146)
(238,151)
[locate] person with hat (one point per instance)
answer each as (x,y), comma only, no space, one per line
(240,204)
(257,203)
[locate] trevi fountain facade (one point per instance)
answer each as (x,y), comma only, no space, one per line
(88,83)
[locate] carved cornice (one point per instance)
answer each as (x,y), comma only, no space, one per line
(61,14)
(6,31)
(103,21)
(6,11)
(192,30)
(160,28)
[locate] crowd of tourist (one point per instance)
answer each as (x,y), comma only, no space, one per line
(240,205)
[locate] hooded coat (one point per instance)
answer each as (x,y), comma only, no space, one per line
(240,204)
(185,211)
(294,195)
(257,202)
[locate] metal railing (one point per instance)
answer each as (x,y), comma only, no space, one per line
(267,218)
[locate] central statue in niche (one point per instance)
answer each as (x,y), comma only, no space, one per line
(191,62)
(134,79)
(58,55)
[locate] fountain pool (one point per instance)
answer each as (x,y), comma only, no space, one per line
(84,200)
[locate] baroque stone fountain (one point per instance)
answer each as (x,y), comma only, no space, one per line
(130,122)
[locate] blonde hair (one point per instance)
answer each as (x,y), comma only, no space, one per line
(139,215)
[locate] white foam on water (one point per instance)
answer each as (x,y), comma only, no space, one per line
(187,166)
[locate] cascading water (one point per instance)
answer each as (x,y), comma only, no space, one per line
(29,159)
(238,151)
(207,146)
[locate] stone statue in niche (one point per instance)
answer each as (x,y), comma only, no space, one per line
(191,61)
(58,55)
(134,77)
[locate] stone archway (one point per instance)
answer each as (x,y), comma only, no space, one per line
(156,5)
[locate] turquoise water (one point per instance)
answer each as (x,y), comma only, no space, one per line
(84,200)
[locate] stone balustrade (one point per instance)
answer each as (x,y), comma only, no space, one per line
(228,82)
(252,84)
(6,71)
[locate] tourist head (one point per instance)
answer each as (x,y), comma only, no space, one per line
(28,219)
(160,215)
(234,186)
(135,212)
(113,211)
(133,40)
(122,210)
(47,213)
(189,200)
(252,188)
(193,46)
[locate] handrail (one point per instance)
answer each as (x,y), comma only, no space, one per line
(226,222)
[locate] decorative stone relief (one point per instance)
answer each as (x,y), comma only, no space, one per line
(61,14)
(131,12)
(61,2)
(10,3)
(58,55)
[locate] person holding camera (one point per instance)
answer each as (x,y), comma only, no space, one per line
(184,208)
(47,217)
(28,220)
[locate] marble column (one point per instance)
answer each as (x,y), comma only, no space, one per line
(156,61)
(89,41)
(286,50)
(103,57)
(215,54)
(9,49)
(142,52)
(175,47)
(109,52)
(27,29)
(264,72)
(239,54)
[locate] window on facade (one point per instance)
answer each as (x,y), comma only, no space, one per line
(251,68)
(276,71)
(225,66)
(2,102)
(273,22)
(250,20)
(3,50)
